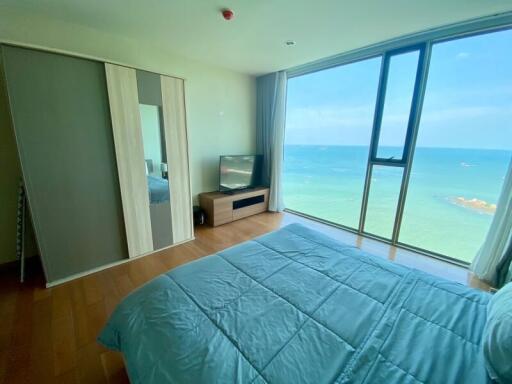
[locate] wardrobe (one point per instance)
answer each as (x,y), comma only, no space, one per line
(104,155)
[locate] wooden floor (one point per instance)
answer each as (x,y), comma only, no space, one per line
(49,335)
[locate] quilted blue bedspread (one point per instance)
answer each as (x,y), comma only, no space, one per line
(295,306)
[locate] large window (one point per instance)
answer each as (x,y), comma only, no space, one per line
(458,161)
(328,129)
(464,146)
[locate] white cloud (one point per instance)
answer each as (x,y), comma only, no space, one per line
(462,55)
(464,113)
(333,124)
(338,125)
(329,116)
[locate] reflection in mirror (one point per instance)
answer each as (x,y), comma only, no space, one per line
(156,173)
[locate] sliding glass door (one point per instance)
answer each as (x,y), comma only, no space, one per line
(410,146)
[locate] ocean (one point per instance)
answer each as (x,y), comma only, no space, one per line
(450,201)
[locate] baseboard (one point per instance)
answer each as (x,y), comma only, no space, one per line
(110,265)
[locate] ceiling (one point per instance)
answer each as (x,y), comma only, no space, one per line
(253,42)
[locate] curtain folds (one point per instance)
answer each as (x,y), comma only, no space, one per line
(504,270)
(270,122)
(493,256)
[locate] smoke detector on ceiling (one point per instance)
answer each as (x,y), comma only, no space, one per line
(227,14)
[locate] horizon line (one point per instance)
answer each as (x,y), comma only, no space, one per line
(395,146)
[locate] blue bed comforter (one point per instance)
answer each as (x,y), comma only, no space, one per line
(295,306)
(158,189)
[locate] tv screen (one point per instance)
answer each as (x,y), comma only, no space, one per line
(239,172)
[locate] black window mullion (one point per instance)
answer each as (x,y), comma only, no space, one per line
(377,118)
(404,162)
(414,122)
(414,105)
(379,107)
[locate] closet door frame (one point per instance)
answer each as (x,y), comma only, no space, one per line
(176,142)
(126,126)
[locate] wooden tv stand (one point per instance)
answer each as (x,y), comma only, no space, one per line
(222,208)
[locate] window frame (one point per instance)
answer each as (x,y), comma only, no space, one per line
(454,31)
(423,41)
(381,102)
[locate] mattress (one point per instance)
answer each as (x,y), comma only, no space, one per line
(295,306)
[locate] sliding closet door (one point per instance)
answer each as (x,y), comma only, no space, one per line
(60,112)
(126,125)
(173,101)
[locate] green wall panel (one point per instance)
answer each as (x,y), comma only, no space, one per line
(61,118)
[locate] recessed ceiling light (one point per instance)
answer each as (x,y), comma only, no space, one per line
(289,43)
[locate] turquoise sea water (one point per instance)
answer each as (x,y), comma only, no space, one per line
(449,204)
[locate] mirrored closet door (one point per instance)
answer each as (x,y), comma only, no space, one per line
(155,157)
(148,121)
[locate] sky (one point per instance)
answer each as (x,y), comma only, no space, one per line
(468,100)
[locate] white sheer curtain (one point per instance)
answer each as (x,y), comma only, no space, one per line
(495,245)
(270,122)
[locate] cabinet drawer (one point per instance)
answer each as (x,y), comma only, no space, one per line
(248,211)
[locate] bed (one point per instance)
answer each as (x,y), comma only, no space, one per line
(295,306)
(158,189)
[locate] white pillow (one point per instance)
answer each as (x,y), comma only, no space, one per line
(498,336)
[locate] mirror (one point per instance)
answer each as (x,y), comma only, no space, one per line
(155,157)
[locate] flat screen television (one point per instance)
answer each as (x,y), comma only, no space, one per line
(239,172)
